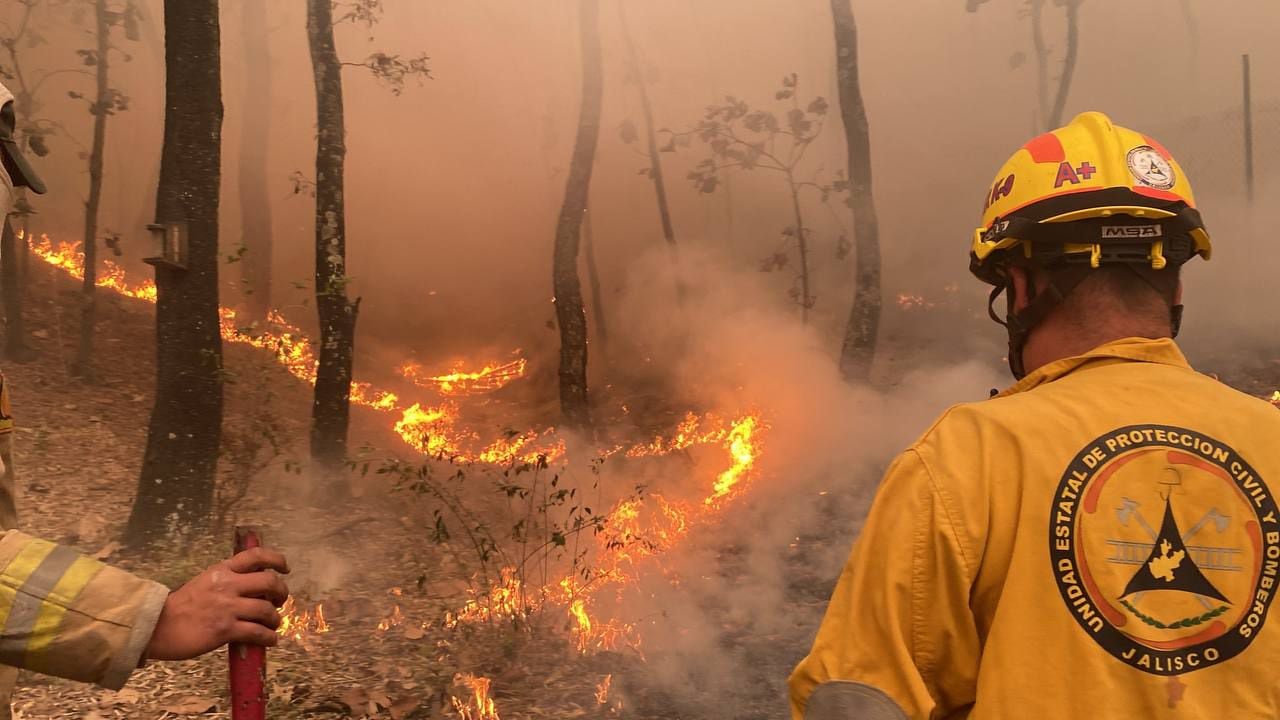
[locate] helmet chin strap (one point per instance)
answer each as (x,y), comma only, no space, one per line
(1062,283)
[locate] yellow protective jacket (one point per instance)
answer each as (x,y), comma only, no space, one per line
(1098,541)
(65,614)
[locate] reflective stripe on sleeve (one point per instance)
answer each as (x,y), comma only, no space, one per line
(46,578)
(68,588)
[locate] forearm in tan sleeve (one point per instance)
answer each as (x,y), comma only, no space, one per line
(65,614)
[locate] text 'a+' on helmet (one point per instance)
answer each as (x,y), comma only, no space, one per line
(1091,192)
(14,162)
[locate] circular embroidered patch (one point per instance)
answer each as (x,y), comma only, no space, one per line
(1165,545)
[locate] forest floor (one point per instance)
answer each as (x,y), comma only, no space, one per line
(79,448)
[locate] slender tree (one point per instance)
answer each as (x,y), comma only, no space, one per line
(1068,63)
(105,102)
(331,407)
(1036,15)
(593,278)
(1051,104)
(741,138)
(570,315)
(175,489)
(255,208)
(859,346)
(11,284)
(654,170)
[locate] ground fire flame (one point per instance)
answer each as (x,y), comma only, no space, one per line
(635,529)
(299,624)
(477,705)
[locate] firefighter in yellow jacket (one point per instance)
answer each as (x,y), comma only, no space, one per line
(1099,540)
(65,614)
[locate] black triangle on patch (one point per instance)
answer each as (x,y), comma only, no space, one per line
(1169,566)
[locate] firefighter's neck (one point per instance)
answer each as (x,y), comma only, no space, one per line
(1060,336)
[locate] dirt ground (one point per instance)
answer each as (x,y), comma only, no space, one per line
(367,559)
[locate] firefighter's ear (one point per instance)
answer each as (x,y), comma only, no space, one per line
(1020,288)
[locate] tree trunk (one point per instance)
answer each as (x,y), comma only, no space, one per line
(1068,64)
(1193,33)
(570,315)
(175,489)
(802,243)
(255,208)
(655,157)
(859,346)
(593,277)
(101,107)
(331,409)
(15,346)
(1042,60)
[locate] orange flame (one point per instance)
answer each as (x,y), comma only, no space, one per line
(504,601)
(743,448)
(299,624)
(635,529)
(602,690)
(491,377)
(394,619)
(478,705)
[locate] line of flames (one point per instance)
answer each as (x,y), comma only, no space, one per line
(635,529)
(460,381)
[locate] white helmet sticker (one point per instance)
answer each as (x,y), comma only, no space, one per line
(1150,168)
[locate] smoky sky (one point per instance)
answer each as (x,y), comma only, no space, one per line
(453,186)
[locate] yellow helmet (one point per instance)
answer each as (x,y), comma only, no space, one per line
(1074,199)
(1126,182)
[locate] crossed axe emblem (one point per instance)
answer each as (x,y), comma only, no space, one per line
(1129,510)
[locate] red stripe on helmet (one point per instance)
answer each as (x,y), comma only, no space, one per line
(1158,147)
(1046,149)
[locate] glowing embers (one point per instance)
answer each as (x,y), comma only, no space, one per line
(908,301)
(463,381)
(301,625)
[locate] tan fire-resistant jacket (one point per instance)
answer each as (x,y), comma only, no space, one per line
(65,614)
(1099,541)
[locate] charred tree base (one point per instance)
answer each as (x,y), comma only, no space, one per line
(15,339)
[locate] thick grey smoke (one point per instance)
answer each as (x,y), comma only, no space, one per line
(733,606)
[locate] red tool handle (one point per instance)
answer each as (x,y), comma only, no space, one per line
(248,662)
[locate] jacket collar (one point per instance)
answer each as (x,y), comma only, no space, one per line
(1163,351)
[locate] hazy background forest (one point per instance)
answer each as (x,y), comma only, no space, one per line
(455,175)
(449,181)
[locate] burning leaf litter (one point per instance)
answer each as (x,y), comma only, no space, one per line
(634,530)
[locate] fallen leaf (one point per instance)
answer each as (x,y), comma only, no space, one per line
(355,699)
(191,705)
(107,551)
(403,707)
(124,695)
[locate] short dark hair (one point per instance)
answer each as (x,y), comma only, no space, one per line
(1113,293)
